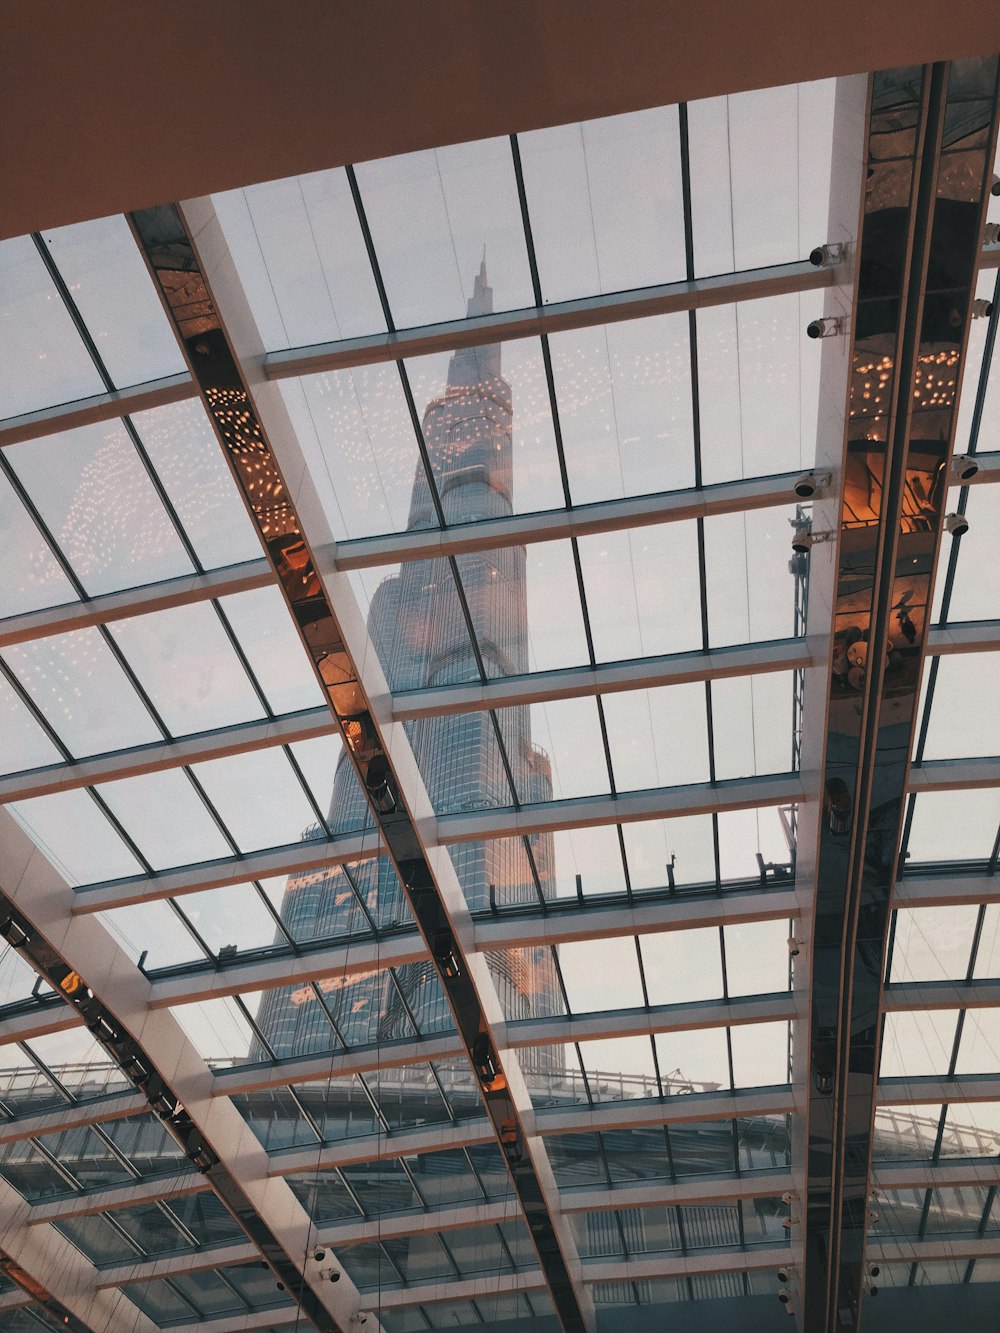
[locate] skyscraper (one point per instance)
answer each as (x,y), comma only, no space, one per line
(419,621)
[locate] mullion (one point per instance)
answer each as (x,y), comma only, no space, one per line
(407,1171)
(211,811)
(120,1231)
(190,927)
(373,926)
(119,828)
(43,528)
(307,791)
(444,1096)
(116,1152)
(275,916)
(44,1069)
(251,1022)
(984,371)
(407,1009)
(321,999)
(186,1233)
(59,1167)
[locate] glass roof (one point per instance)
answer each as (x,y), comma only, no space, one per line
(601,693)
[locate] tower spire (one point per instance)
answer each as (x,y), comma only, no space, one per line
(481,301)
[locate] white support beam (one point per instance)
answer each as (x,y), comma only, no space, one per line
(340,962)
(936,1175)
(958,1248)
(101,407)
(300,858)
(951,890)
(552,524)
(662,1194)
(37,1023)
(698,1264)
(129,1194)
(538,321)
(318,1068)
(567,923)
(241,739)
(60,1118)
(176,1265)
(40,893)
(260,1321)
(392,1226)
(135,602)
(973,636)
(918,996)
(642,673)
(458,1289)
(646,1022)
(62,1271)
(700,798)
(954,774)
(381,1147)
(929,1089)
(681,1109)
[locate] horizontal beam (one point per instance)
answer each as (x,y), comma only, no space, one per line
(340,961)
(391,1227)
(481,1287)
(38,1021)
(929,1088)
(646,1022)
(969,636)
(266,1321)
(681,1109)
(537,321)
(113,606)
(553,524)
(204,746)
(699,1263)
(101,407)
(314,1068)
(565,924)
(893,1250)
(936,1175)
(724,1188)
(917,996)
(177,1265)
(296,859)
(585,811)
(610,678)
(131,1193)
(98,1112)
(950,890)
(954,774)
(381,1147)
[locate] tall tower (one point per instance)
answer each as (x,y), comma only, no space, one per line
(418,624)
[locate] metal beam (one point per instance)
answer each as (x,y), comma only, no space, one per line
(538,321)
(954,774)
(954,889)
(567,922)
(96,971)
(101,407)
(700,798)
(313,854)
(681,1109)
(128,1195)
(177,1265)
(662,1194)
(252,425)
(381,1147)
(360,957)
(918,996)
(929,1089)
(975,636)
(962,1246)
(206,745)
(642,673)
(317,1068)
(135,602)
(934,1175)
(554,524)
(97,1112)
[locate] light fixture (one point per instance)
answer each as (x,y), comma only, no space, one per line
(825,256)
(956,524)
(828,327)
(809,483)
(964,466)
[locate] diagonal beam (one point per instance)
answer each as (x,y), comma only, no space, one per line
(551,525)
(241,739)
(243,406)
(135,602)
(537,321)
(101,407)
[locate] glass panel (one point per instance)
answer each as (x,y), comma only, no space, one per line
(472,386)
(83,1067)
(188,667)
(154,929)
(956,730)
(355,432)
(954,826)
(604,199)
(971,1129)
(634,611)
(263,625)
(756,957)
(230,916)
(657,738)
(751,592)
(301,257)
(44,361)
(159,1300)
(218,1030)
(566,743)
(163,815)
(742,833)
(988,953)
(693,1061)
(101,265)
(147,1145)
(752,724)
(96,498)
(24,1089)
(684,844)
(760,175)
(905,1133)
(758,385)
(434,216)
(82,692)
(97,1239)
(933,943)
(624,398)
(23,743)
(682,966)
(258,797)
(17,978)
(914,1044)
(601,975)
(976,591)
(760,1055)
(76,837)
(30,576)
(979,1050)
(594,855)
